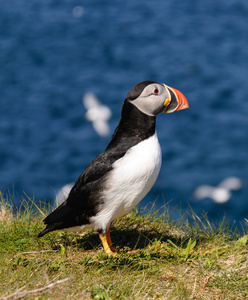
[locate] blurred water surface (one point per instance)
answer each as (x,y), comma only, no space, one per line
(52,52)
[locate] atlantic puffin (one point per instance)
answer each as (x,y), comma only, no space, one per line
(119,177)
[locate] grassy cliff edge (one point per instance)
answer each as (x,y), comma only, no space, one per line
(170,259)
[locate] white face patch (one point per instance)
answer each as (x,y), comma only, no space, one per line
(151,100)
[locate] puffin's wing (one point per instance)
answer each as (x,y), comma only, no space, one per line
(78,204)
(84,197)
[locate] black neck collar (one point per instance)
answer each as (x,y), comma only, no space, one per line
(134,127)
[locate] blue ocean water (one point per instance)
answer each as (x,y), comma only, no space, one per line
(52,52)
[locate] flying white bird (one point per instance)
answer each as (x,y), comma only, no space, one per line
(221,193)
(62,195)
(97,113)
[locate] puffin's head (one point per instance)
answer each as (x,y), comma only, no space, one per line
(153,98)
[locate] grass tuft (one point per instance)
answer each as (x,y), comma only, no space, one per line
(158,257)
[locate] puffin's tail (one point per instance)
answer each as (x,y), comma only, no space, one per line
(42,233)
(63,217)
(49,228)
(57,219)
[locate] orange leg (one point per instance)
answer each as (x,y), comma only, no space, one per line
(109,241)
(107,244)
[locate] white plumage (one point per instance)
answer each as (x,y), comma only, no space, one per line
(131,179)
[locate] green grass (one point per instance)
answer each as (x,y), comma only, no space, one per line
(171,259)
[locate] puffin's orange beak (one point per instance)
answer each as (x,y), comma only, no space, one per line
(182,101)
(176,102)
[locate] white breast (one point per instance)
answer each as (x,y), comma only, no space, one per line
(131,179)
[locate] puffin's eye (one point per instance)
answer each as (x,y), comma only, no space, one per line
(156,91)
